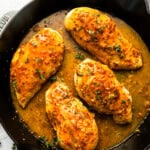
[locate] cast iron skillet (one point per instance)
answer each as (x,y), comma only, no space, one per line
(132,11)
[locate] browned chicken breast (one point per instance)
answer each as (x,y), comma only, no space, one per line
(97,85)
(75,126)
(97,33)
(33,63)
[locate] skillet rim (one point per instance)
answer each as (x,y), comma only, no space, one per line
(33,7)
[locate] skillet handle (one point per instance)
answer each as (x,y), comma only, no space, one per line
(4,21)
(147,2)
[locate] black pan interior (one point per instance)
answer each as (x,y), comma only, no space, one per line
(135,15)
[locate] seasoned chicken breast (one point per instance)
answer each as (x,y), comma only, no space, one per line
(75,126)
(34,62)
(97,33)
(97,85)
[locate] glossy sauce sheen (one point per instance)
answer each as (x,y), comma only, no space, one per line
(110,134)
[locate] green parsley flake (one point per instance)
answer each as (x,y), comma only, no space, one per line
(38,60)
(53,142)
(89,71)
(27,60)
(117,48)
(14,83)
(91,33)
(101,29)
(79,56)
(123,101)
(80,28)
(53,79)
(45,141)
(98,94)
(34,44)
(40,74)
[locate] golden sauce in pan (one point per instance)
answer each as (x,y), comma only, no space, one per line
(137,82)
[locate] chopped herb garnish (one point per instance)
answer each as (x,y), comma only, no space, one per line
(53,79)
(80,28)
(48,144)
(98,94)
(89,71)
(121,55)
(76,47)
(62,79)
(58,140)
(34,44)
(113,95)
(14,83)
(79,56)
(42,139)
(53,142)
(91,108)
(117,48)
(38,60)
(96,84)
(98,15)
(27,60)
(40,74)
(118,134)
(91,33)
(123,101)
(101,29)
(94,39)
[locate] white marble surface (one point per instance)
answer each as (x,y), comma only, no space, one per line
(5,142)
(5,6)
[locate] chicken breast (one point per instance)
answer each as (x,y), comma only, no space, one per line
(34,62)
(97,33)
(97,85)
(75,126)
